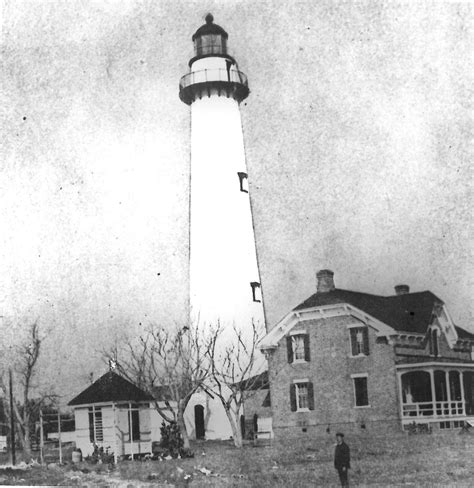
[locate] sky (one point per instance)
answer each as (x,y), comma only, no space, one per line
(357,133)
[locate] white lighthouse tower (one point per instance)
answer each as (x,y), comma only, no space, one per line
(224,277)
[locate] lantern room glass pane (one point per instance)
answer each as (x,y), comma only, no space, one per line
(210,44)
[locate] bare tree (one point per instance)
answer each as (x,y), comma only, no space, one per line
(235,362)
(172,362)
(26,364)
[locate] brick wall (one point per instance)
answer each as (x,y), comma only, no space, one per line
(330,370)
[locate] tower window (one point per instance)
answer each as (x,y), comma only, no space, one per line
(256,291)
(243,181)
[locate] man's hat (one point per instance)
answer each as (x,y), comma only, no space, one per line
(339,434)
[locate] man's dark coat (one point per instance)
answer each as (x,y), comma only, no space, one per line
(342,457)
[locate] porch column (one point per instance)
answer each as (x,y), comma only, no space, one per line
(461,379)
(448,392)
(400,393)
(433,392)
(114,410)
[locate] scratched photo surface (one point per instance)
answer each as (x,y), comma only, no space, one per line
(357,136)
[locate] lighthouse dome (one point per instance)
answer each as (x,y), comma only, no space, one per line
(210,28)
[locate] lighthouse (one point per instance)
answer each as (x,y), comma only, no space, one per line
(224,281)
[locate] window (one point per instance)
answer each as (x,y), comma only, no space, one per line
(301,396)
(96,432)
(359,341)
(256,293)
(434,345)
(360,390)
(134,423)
(298,348)
(243,181)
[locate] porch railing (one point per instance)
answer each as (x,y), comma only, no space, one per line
(433,409)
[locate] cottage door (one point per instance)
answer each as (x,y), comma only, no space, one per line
(199,422)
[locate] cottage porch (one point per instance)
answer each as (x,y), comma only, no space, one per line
(436,392)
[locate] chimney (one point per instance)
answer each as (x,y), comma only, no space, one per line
(325,279)
(402,289)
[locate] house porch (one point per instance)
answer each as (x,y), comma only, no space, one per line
(436,392)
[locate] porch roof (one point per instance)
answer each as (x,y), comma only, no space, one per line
(111,387)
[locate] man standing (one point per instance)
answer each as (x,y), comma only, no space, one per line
(342,458)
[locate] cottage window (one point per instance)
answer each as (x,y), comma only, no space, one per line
(134,423)
(298,348)
(243,181)
(96,431)
(301,396)
(359,341)
(360,390)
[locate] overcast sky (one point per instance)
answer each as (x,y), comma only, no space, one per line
(357,134)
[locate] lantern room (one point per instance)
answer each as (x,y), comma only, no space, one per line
(210,39)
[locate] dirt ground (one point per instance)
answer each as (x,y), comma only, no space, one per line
(418,461)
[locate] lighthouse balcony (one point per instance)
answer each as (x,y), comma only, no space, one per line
(222,82)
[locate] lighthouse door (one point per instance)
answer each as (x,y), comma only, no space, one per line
(199,421)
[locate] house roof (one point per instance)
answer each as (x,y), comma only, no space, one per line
(257,382)
(411,312)
(110,387)
(464,334)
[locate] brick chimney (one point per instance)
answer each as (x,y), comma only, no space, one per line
(402,290)
(325,279)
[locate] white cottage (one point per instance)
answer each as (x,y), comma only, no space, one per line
(115,414)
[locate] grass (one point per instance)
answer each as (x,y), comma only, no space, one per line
(419,461)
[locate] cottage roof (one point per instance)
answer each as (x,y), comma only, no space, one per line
(410,312)
(111,387)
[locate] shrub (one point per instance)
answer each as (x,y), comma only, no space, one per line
(172,442)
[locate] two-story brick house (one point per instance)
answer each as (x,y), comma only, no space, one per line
(349,360)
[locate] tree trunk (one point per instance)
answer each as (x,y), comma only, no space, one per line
(182,424)
(235,426)
(26,440)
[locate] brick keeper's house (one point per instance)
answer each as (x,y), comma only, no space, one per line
(351,361)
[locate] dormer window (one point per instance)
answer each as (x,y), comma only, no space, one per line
(256,291)
(359,341)
(434,342)
(243,181)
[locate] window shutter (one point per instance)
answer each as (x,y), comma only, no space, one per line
(365,332)
(306,348)
(293,397)
(353,341)
(289,348)
(310,396)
